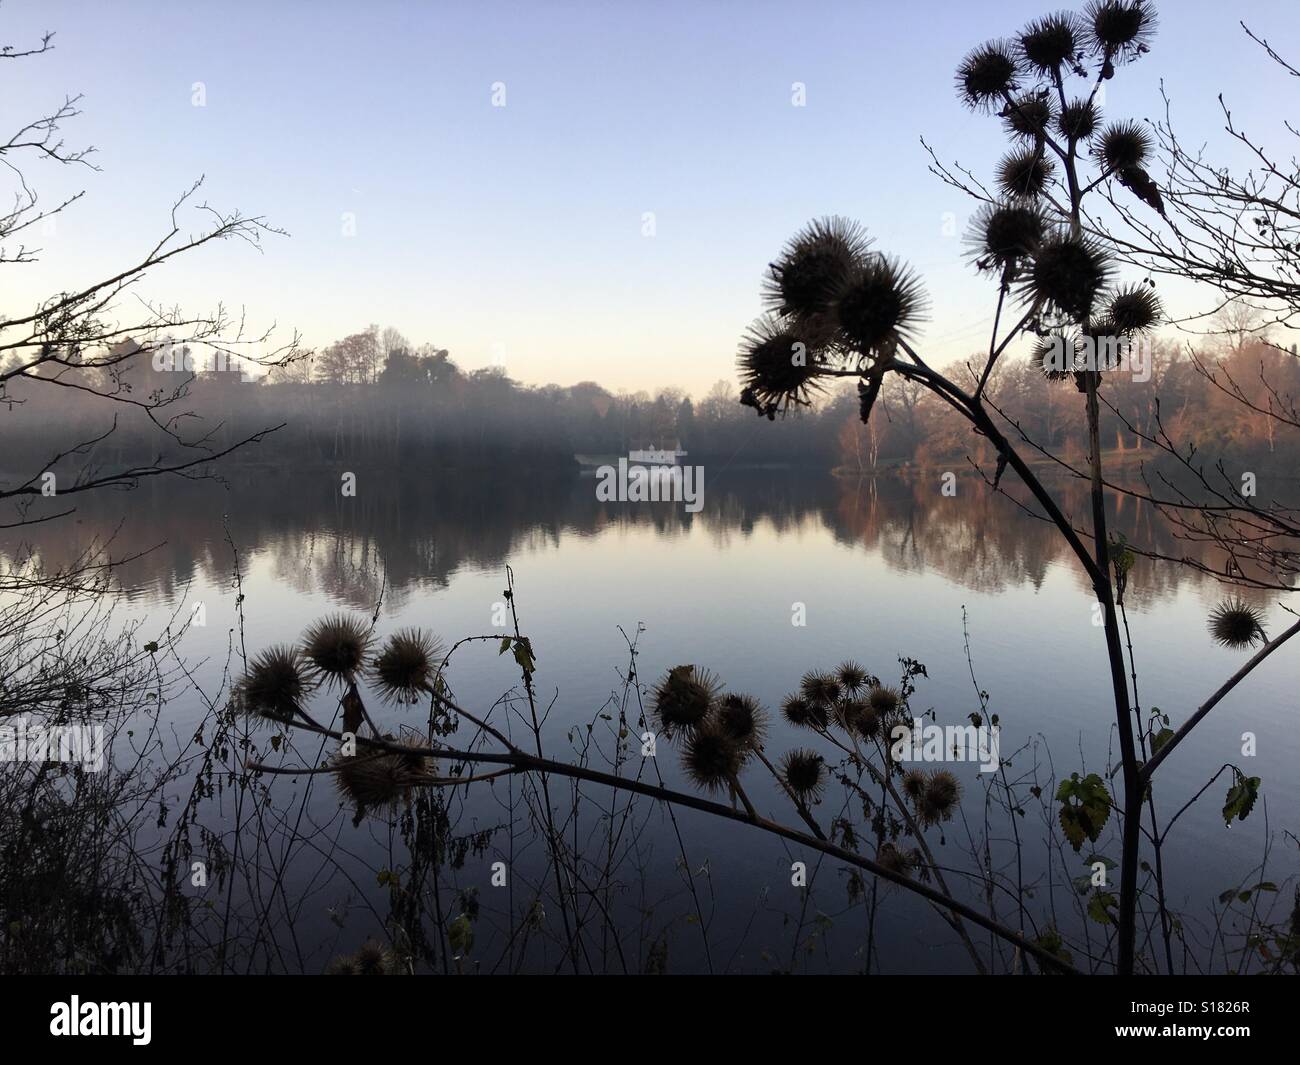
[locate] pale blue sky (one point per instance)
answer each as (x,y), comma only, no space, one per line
(518,229)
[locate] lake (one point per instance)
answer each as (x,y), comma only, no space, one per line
(781,571)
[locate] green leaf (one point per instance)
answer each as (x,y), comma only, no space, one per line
(1085,808)
(524,655)
(1241,797)
(1100,905)
(460,935)
(1160,739)
(1050,940)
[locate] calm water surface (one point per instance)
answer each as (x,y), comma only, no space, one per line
(878,569)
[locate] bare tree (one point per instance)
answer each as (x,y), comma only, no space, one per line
(107,347)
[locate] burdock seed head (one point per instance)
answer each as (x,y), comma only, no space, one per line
(1055,355)
(798,710)
(885,701)
(1004,233)
(1024,173)
(938,797)
(1078,120)
(684,699)
(897,860)
(804,772)
(1236,624)
(852,676)
(406,666)
(881,303)
(379,780)
(778,363)
(336,647)
(848,712)
(742,719)
(1134,309)
(868,722)
(1029,116)
(375,959)
(813,266)
(711,758)
(275,685)
(987,74)
(372,959)
(1068,272)
(820,689)
(914,785)
(1049,42)
(1119,30)
(1124,144)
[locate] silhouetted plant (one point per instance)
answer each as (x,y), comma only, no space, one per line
(1236,624)
(1045,255)
(336,647)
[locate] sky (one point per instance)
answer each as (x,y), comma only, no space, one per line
(612,220)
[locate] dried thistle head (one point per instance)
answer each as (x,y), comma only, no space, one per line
(382,781)
(812,268)
(779,364)
(800,711)
(275,685)
(742,719)
(1134,309)
(336,647)
(820,689)
(852,677)
(937,796)
(1029,116)
(371,959)
(1236,624)
(1055,356)
(987,74)
(1124,144)
(1067,272)
(404,669)
(897,860)
(885,701)
(1051,42)
(1004,233)
(1119,30)
(711,758)
(868,723)
(848,712)
(804,773)
(1078,120)
(1024,173)
(880,304)
(914,785)
(684,699)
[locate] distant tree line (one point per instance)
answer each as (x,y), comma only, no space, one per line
(374,399)
(1222,396)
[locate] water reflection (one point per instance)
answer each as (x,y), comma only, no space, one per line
(417,532)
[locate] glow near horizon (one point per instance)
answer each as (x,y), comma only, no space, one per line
(514,233)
